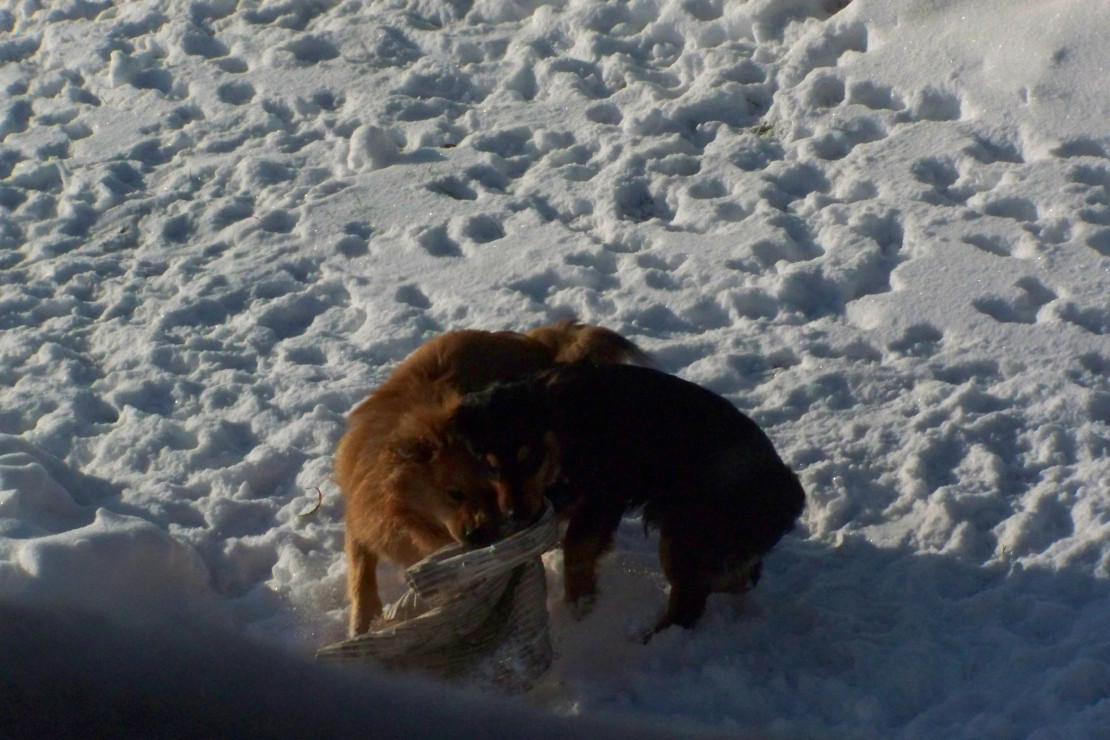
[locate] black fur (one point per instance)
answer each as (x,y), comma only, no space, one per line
(634,437)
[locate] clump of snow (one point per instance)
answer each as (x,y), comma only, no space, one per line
(881,228)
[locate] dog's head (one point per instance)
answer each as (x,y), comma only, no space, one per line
(507,428)
(441,483)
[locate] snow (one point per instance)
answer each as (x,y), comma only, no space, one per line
(880,227)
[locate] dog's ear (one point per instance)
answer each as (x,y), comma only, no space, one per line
(551,443)
(418,436)
(552,448)
(415,450)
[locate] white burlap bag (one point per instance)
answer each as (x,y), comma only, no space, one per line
(478,616)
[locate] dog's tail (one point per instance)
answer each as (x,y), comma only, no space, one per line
(573,341)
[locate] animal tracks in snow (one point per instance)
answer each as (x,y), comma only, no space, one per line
(1023,308)
(797,222)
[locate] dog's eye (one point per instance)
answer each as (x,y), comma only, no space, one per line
(456,495)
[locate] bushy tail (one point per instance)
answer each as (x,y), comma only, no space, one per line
(573,341)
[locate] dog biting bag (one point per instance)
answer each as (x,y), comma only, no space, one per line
(477,616)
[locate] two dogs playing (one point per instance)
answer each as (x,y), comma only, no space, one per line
(469,434)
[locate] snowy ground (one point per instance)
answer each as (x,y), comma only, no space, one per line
(880,227)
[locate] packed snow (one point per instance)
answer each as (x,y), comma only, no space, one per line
(881,228)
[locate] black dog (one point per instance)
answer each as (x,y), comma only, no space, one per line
(627,437)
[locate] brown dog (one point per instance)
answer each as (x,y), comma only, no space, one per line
(408,492)
(630,438)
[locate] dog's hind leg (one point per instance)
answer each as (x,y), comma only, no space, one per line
(362,585)
(686,605)
(689,588)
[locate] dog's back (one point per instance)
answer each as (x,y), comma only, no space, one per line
(572,341)
(659,437)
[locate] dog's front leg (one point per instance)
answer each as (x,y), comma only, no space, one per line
(362,585)
(589,536)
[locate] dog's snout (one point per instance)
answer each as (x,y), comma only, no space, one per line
(477,536)
(506,500)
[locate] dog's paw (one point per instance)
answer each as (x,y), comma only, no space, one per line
(582,606)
